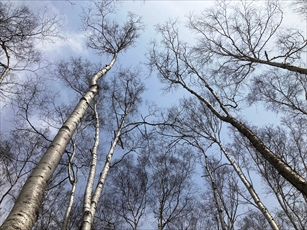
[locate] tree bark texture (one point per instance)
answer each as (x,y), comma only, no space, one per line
(282,167)
(89,212)
(25,211)
(250,189)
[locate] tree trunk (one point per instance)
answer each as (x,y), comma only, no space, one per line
(7,67)
(250,189)
(216,198)
(25,211)
(293,68)
(73,179)
(282,167)
(90,212)
(70,203)
(91,177)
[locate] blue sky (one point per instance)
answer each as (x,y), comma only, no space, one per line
(153,12)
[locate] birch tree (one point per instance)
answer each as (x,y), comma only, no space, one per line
(125,97)
(215,193)
(241,36)
(105,37)
(72,171)
(197,123)
(292,203)
(177,65)
(76,74)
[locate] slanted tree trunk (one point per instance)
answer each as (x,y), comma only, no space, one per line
(25,211)
(282,167)
(250,189)
(73,179)
(175,65)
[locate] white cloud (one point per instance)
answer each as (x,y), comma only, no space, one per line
(74,42)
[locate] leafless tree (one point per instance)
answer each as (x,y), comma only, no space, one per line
(25,211)
(292,203)
(128,187)
(300,6)
(253,221)
(125,97)
(21,29)
(173,189)
(106,216)
(240,36)
(196,124)
(177,66)
(22,141)
(280,92)
(16,164)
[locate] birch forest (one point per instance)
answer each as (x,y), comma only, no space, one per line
(206,130)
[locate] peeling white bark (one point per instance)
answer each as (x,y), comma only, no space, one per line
(91,178)
(69,207)
(73,181)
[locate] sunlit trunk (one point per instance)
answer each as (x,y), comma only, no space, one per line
(251,190)
(90,211)
(25,211)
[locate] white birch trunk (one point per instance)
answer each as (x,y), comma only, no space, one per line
(281,200)
(89,213)
(91,178)
(282,167)
(73,181)
(69,207)
(215,193)
(250,189)
(25,211)
(160,223)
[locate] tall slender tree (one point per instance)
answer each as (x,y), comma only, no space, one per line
(176,64)
(106,37)
(125,96)
(194,123)
(173,189)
